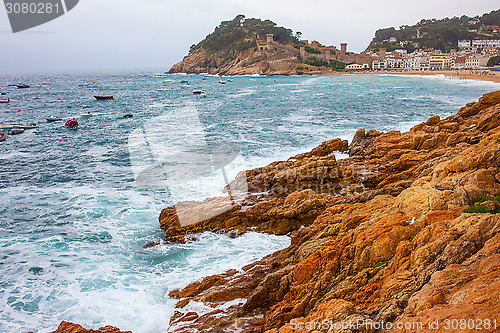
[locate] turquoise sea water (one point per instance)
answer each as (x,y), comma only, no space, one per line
(73,219)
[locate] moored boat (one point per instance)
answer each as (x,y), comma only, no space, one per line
(4,100)
(128,115)
(52,119)
(86,114)
(198,91)
(16,130)
(90,84)
(22,86)
(2,137)
(100,98)
(164,89)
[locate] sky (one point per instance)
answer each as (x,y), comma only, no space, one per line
(146,34)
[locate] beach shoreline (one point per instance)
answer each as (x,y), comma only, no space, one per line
(451,74)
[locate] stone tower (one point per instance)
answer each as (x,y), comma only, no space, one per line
(343,47)
(270,38)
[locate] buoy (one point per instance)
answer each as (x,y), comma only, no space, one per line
(112,113)
(61,101)
(201,100)
(19,110)
(60,140)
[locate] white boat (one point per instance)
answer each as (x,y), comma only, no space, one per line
(16,130)
(185,86)
(2,137)
(198,91)
(169,81)
(164,89)
(222,82)
(52,119)
(46,83)
(86,115)
(4,100)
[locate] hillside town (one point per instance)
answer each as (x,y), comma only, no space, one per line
(470,54)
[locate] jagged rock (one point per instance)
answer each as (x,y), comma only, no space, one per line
(66,327)
(390,243)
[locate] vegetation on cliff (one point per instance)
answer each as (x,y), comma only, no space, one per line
(240,33)
(438,34)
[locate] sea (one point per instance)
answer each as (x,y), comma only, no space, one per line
(78,205)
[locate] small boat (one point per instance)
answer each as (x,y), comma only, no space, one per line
(22,86)
(86,114)
(169,81)
(2,137)
(164,89)
(28,126)
(15,131)
(21,126)
(184,81)
(222,82)
(128,115)
(90,84)
(52,119)
(3,94)
(185,86)
(101,98)
(198,91)
(4,100)
(46,83)
(71,124)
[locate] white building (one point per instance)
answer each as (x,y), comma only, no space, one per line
(464,44)
(379,64)
(441,61)
(486,43)
(412,63)
(395,63)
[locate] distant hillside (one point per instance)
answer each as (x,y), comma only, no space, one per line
(253,46)
(438,34)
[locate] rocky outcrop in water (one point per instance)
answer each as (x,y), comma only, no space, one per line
(66,327)
(379,237)
(237,63)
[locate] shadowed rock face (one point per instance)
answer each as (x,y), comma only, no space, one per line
(379,236)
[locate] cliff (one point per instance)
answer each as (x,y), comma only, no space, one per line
(236,63)
(405,231)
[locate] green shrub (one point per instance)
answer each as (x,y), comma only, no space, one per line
(476,204)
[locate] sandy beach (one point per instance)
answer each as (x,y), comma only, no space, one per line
(455,74)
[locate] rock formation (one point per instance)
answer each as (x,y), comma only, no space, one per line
(380,237)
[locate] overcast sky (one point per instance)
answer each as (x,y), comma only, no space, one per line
(125,34)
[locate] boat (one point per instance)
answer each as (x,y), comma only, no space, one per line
(198,91)
(184,81)
(16,130)
(128,115)
(22,86)
(52,119)
(21,126)
(46,83)
(100,98)
(169,81)
(4,100)
(222,82)
(90,84)
(2,137)
(185,86)
(71,124)
(164,89)
(3,94)
(86,114)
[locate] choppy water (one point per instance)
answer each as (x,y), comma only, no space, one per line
(73,220)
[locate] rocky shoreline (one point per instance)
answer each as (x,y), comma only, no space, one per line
(405,231)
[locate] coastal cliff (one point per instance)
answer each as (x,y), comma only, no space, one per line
(404,231)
